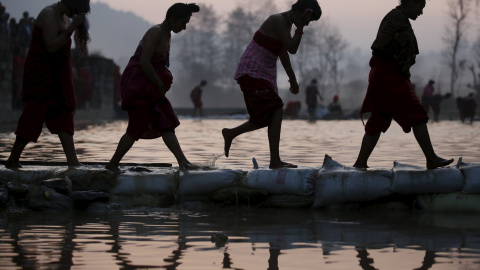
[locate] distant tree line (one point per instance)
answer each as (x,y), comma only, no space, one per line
(213,44)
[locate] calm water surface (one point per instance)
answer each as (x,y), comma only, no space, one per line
(199,237)
(302,143)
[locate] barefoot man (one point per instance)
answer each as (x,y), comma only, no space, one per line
(144,83)
(257,74)
(390,94)
(48,91)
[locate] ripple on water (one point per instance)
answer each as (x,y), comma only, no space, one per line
(301,142)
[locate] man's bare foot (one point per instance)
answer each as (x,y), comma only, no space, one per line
(362,167)
(281,164)
(114,169)
(75,165)
(188,166)
(438,162)
(228,141)
(10,164)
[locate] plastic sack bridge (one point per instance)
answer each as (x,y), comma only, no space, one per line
(455,188)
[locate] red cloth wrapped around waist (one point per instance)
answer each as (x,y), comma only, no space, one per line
(48,76)
(137,89)
(388,91)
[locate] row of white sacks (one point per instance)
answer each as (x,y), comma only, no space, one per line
(334,183)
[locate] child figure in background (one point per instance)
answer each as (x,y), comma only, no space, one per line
(257,74)
(144,83)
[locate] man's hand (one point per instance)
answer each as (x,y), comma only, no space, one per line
(161,91)
(78,20)
(305,18)
(294,88)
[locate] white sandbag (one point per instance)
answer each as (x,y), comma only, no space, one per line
(298,181)
(91,178)
(158,181)
(409,179)
(471,174)
(205,182)
(29,174)
(451,202)
(337,183)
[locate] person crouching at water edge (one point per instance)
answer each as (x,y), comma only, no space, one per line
(257,74)
(144,83)
(48,91)
(390,94)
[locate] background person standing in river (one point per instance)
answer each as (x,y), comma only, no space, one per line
(390,94)
(48,91)
(257,74)
(144,83)
(311,94)
(196,97)
(427,95)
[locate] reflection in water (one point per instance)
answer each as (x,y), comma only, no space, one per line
(282,239)
(302,143)
(257,238)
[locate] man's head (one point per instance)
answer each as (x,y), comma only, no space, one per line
(413,8)
(178,16)
(302,5)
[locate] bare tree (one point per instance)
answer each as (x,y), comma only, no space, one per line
(455,33)
(475,62)
(199,46)
(319,56)
(240,27)
(334,47)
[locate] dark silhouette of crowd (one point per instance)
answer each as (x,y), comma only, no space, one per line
(20,33)
(467,107)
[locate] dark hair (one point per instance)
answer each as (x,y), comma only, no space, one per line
(431,82)
(81,34)
(405,2)
(302,5)
(203,82)
(181,10)
(314,81)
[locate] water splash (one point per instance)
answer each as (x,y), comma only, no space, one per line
(211,164)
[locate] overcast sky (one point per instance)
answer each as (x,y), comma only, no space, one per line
(358,20)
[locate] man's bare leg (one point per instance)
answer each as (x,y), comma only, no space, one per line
(423,138)
(69,148)
(368,144)
(231,133)
(274,130)
(14,160)
(125,143)
(171,141)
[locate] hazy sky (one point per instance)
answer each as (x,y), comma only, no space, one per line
(358,20)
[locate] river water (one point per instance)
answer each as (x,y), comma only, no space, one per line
(199,237)
(301,143)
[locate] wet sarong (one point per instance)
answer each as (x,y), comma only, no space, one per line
(257,76)
(48,90)
(149,114)
(390,95)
